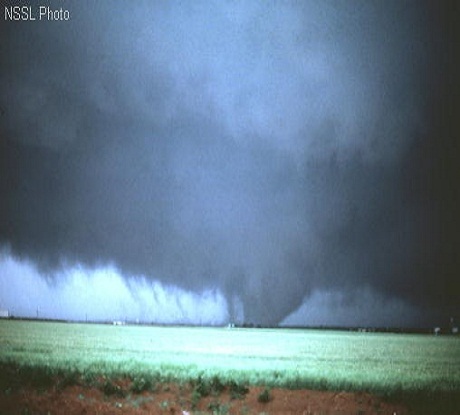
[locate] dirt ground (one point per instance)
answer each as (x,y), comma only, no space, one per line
(179,399)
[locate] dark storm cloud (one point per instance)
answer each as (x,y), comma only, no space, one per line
(266,150)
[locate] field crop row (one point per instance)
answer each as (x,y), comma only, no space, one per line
(376,362)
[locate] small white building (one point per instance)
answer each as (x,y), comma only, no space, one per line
(4,313)
(453,326)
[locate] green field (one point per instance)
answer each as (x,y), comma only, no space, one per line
(334,360)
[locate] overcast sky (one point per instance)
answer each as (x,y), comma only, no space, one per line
(203,162)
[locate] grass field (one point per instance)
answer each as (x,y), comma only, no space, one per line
(328,360)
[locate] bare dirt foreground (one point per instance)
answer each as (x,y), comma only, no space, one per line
(180,399)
